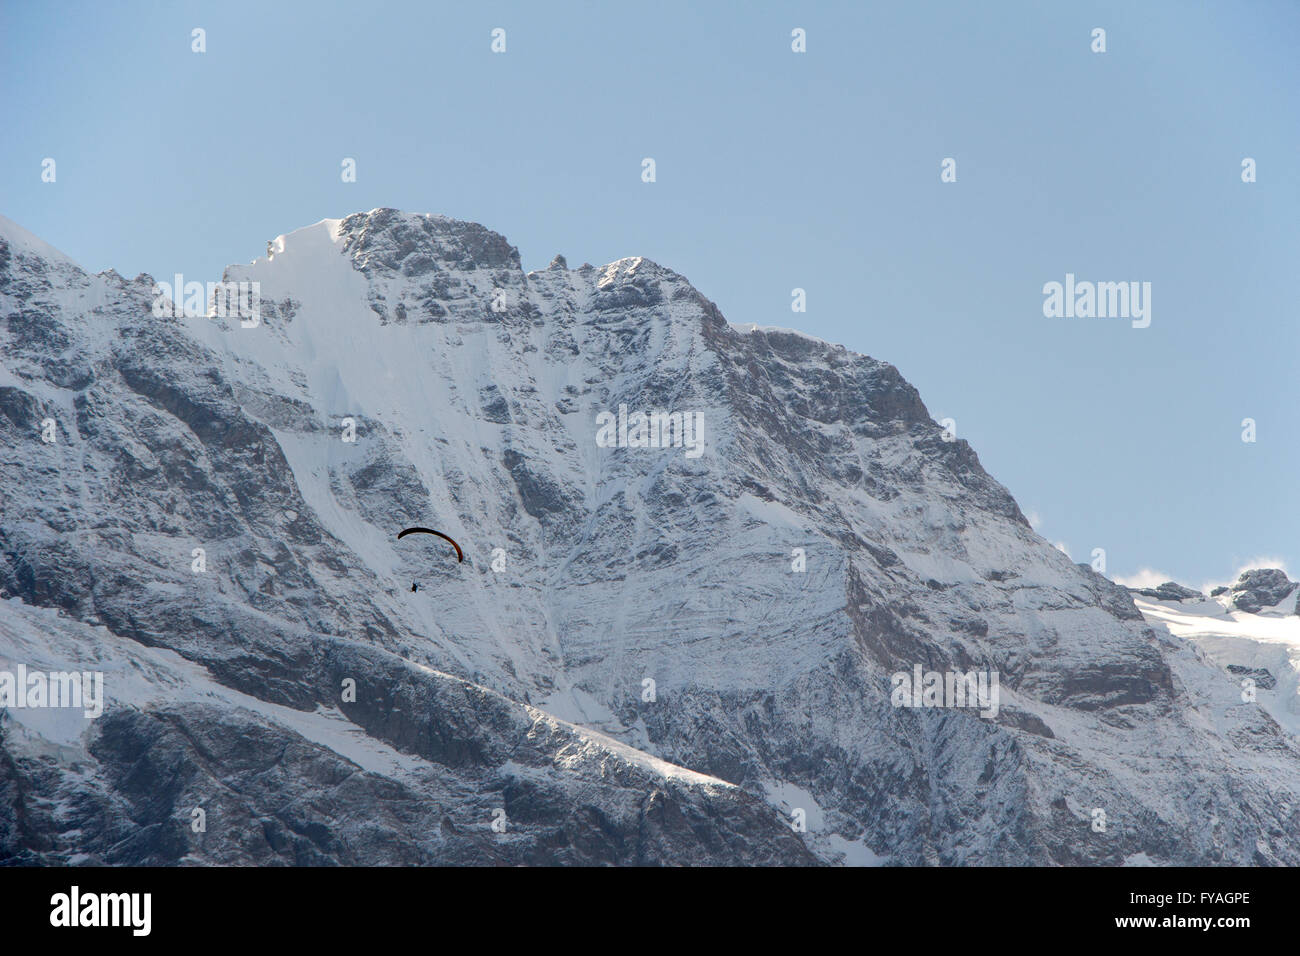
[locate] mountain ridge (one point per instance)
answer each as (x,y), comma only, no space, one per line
(471,389)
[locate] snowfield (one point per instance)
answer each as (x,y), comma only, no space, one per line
(1266,641)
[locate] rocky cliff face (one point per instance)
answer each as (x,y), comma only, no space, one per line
(1169,591)
(649,655)
(1260,588)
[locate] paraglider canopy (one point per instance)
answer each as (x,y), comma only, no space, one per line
(460,555)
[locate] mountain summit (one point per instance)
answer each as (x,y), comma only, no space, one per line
(645,657)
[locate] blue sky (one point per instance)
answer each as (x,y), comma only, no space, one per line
(775,170)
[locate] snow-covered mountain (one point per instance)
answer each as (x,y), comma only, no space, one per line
(1250,628)
(649,655)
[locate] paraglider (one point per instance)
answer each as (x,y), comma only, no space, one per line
(460,555)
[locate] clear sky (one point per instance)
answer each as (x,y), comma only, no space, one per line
(775,170)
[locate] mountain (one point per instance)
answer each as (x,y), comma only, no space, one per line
(683,653)
(1250,629)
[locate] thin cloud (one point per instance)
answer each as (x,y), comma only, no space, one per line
(1145,578)
(1260,562)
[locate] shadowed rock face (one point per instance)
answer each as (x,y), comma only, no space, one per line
(633,664)
(1260,588)
(271,797)
(1260,675)
(1169,591)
